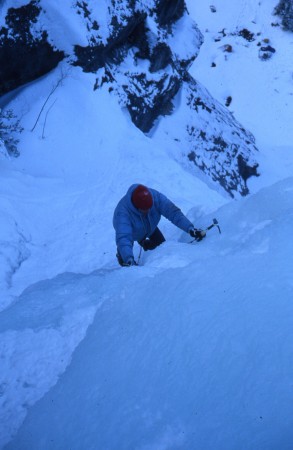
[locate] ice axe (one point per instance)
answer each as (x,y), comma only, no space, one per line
(203,232)
(214,224)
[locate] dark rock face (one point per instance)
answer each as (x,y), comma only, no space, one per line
(169,12)
(246,34)
(144,110)
(266,52)
(160,58)
(285,10)
(97,54)
(24,57)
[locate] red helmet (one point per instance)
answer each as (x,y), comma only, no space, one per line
(142,198)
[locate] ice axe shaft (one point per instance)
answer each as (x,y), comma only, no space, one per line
(214,224)
(139,256)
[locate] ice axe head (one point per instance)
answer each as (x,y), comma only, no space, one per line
(216,223)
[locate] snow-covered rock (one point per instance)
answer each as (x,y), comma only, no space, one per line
(143,51)
(285,10)
(211,139)
(9,132)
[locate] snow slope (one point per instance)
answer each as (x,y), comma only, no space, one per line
(192,350)
(69,182)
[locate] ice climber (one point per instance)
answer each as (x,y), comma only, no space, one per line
(136,218)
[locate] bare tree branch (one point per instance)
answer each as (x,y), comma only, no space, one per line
(63,76)
(43,133)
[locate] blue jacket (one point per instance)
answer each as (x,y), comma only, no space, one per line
(132,225)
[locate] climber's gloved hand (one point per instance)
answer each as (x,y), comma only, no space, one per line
(130,262)
(197,234)
(146,244)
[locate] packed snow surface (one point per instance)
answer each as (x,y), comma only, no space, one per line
(193,348)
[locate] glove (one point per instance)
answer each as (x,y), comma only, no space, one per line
(197,234)
(147,244)
(130,262)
